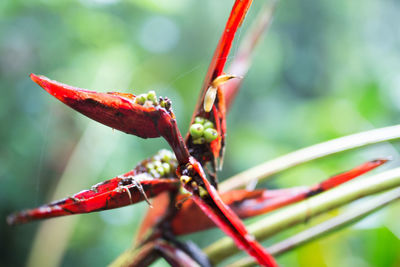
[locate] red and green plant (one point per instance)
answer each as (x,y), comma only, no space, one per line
(183,184)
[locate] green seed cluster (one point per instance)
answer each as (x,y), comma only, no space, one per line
(163,164)
(150,100)
(202,131)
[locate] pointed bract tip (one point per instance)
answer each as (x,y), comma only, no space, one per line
(222,79)
(34,77)
(382,160)
(39,79)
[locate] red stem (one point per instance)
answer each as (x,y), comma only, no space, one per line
(241,64)
(239,11)
(213,206)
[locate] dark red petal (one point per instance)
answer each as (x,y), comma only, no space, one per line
(119,111)
(346,176)
(243,57)
(118,192)
(116,110)
(216,68)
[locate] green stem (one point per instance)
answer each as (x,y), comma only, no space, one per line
(351,216)
(265,170)
(303,211)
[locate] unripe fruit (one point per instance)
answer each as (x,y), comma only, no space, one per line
(196,130)
(199,120)
(165,155)
(160,170)
(166,167)
(202,192)
(154,173)
(199,141)
(149,166)
(151,95)
(157,164)
(210,135)
(140,99)
(208,124)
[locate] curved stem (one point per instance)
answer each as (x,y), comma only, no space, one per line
(303,211)
(265,170)
(350,216)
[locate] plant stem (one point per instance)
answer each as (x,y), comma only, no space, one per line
(265,170)
(303,211)
(141,256)
(351,216)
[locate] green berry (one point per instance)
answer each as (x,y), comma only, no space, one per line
(157,164)
(199,141)
(202,192)
(196,130)
(199,120)
(166,158)
(183,191)
(165,155)
(151,95)
(167,168)
(210,135)
(154,173)
(160,170)
(208,124)
(149,166)
(140,99)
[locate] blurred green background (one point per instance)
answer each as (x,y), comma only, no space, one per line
(326,69)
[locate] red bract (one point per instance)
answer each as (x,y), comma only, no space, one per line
(119,111)
(120,191)
(215,150)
